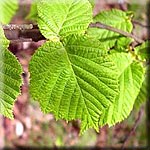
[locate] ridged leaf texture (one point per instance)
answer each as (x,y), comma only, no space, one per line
(59,18)
(7,10)
(143,94)
(10,77)
(115,18)
(92,3)
(130,83)
(74,80)
(33,14)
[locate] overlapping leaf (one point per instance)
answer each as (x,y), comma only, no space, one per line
(130,82)
(142,51)
(115,18)
(7,10)
(10,77)
(63,17)
(143,94)
(76,78)
(74,81)
(122,44)
(92,3)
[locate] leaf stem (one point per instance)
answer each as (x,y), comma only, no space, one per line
(107,27)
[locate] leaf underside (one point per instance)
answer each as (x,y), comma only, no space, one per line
(8,9)
(115,18)
(130,81)
(59,18)
(74,80)
(10,77)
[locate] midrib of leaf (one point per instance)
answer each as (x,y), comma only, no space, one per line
(79,78)
(93,104)
(94,76)
(87,110)
(78,86)
(60,99)
(49,26)
(70,103)
(85,47)
(70,64)
(65,18)
(89,83)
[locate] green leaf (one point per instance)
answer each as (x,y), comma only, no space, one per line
(142,51)
(8,9)
(33,15)
(76,80)
(92,3)
(115,18)
(130,81)
(123,44)
(10,77)
(4,43)
(59,18)
(143,94)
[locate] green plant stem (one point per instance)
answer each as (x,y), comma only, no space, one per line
(107,27)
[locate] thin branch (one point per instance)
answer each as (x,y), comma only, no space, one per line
(140,114)
(17,27)
(104,26)
(140,24)
(22,33)
(32,31)
(22,40)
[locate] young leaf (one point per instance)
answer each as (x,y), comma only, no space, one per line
(142,51)
(10,77)
(130,81)
(75,80)
(115,18)
(122,44)
(8,9)
(59,18)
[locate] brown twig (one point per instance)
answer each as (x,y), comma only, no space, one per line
(32,31)
(104,26)
(22,33)
(17,27)
(140,114)
(140,24)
